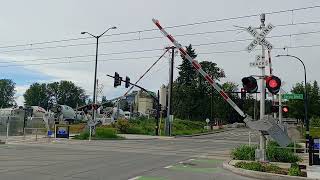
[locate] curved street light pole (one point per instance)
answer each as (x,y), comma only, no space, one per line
(305,99)
(95,68)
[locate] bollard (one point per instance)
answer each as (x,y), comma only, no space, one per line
(36,134)
(7,135)
(90,133)
(24,133)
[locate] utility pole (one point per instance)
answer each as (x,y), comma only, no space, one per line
(169,119)
(263,92)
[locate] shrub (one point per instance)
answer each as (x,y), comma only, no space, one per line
(244,152)
(294,170)
(298,146)
(106,133)
(271,168)
(122,125)
(276,154)
(253,166)
(315,122)
(135,130)
(262,167)
(82,136)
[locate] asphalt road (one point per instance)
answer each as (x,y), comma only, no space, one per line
(184,158)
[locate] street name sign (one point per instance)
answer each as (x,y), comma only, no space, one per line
(292,96)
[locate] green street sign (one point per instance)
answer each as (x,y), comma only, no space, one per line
(292,96)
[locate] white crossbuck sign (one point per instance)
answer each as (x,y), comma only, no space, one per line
(259,38)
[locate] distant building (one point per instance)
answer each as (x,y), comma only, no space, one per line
(143,102)
(138,101)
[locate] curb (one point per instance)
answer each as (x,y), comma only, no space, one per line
(260,175)
(202,134)
(144,138)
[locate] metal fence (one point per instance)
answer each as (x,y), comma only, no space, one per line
(15,128)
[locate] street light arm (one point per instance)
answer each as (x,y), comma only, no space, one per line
(89,34)
(304,67)
(107,30)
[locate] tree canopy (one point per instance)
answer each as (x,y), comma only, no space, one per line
(66,92)
(7,91)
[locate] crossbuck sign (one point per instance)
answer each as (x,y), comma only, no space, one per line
(259,38)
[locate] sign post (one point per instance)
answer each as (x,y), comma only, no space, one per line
(261,62)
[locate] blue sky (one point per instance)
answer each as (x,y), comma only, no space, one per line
(23,76)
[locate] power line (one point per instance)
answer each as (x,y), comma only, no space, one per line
(137,58)
(242,50)
(80,61)
(159,49)
(167,27)
(150,38)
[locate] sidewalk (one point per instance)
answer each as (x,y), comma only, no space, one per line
(313,171)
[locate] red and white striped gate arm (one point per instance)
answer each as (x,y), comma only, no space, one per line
(197,66)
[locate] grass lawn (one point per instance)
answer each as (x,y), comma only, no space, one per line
(314,132)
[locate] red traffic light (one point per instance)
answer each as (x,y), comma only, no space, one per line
(273,84)
(285,109)
(243,93)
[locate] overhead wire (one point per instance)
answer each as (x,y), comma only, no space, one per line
(168,27)
(156,49)
(146,57)
(149,38)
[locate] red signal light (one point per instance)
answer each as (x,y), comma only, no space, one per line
(273,83)
(285,109)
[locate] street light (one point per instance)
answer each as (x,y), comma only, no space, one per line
(96,64)
(305,99)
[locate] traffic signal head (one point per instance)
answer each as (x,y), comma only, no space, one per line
(117,80)
(127,82)
(273,84)
(243,93)
(250,84)
(274,109)
(285,109)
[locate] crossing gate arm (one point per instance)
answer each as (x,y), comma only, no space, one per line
(197,66)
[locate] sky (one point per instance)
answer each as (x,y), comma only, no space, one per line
(29,23)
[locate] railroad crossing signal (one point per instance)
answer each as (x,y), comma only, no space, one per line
(259,38)
(273,84)
(259,62)
(250,84)
(285,109)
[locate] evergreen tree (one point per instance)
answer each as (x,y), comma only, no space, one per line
(187,73)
